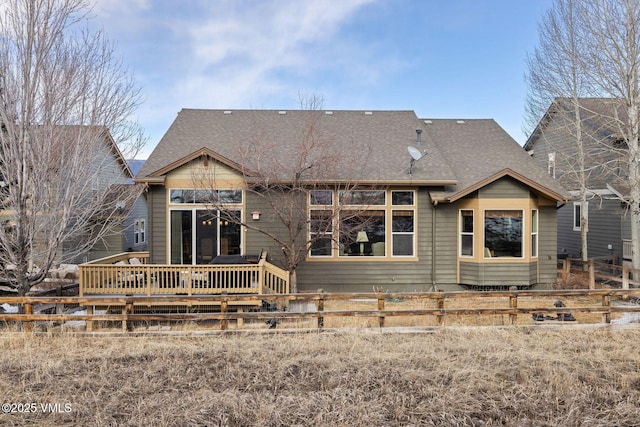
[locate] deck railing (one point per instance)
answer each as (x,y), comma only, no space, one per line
(131,274)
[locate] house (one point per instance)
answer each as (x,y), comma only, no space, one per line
(134,234)
(448,203)
(553,146)
(113,176)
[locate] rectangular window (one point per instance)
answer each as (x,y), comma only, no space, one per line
(362,220)
(321,233)
(466,232)
(551,164)
(362,197)
(139,231)
(577,213)
(321,198)
(402,198)
(402,233)
(503,233)
(204,196)
(362,232)
(534,233)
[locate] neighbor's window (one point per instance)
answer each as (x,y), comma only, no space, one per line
(577,212)
(551,164)
(503,233)
(534,233)
(466,232)
(139,231)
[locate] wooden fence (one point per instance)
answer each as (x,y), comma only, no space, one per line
(507,303)
(600,272)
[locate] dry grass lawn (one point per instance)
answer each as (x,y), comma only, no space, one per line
(452,377)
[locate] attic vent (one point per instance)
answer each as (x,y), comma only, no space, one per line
(329,113)
(227,112)
(282,113)
(368,113)
(428,122)
(460,122)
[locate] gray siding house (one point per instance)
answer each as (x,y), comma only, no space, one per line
(465,206)
(553,146)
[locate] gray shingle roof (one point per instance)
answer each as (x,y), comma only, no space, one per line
(479,150)
(462,154)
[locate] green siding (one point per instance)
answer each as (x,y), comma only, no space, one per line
(498,274)
(352,276)
(446,244)
(158,224)
(547,244)
(505,188)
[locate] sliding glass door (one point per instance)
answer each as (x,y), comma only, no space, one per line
(198,236)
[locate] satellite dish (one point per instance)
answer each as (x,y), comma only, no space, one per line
(415,156)
(415,153)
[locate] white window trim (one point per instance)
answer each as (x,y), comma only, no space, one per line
(576,218)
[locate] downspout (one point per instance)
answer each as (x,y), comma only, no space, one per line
(433,246)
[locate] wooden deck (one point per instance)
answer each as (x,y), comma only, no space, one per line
(131,274)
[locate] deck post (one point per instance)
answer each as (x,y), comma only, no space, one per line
(625,277)
(380,309)
(592,274)
(513,304)
(320,308)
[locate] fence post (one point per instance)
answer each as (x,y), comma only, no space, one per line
(89,323)
(440,306)
(592,274)
(380,309)
(513,304)
(28,311)
(224,305)
(625,277)
(566,269)
(606,303)
(320,309)
(126,311)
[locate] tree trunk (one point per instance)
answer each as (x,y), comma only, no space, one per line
(293,281)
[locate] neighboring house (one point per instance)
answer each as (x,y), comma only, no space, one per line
(553,146)
(115,176)
(135,224)
(475,211)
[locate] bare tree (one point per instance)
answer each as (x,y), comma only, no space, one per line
(612,55)
(556,82)
(64,107)
(591,48)
(284,178)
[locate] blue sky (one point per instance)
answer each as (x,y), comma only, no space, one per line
(440,58)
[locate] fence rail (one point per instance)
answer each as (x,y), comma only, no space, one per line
(507,303)
(597,271)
